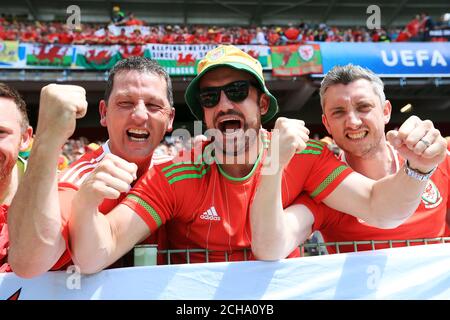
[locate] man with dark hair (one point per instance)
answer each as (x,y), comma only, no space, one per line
(137,111)
(205,202)
(15,135)
(355,111)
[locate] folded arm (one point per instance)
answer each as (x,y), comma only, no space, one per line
(99,240)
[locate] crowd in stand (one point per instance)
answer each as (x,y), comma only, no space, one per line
(142,32)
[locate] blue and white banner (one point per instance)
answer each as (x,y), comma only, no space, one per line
(418,272)
(408,58)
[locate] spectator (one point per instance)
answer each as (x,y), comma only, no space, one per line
(187,194)
(426,25)
(15,136)
(134,132)
(355,112)
(117,16)
(291,35)
(260,36)
(133,21)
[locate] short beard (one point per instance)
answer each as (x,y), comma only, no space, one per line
(6,171)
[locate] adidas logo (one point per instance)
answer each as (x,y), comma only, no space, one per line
(210,214)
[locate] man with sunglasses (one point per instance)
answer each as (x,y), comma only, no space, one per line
(205,202)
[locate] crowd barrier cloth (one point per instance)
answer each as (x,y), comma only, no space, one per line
(417,272)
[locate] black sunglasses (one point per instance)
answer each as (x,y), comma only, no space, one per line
(235,91)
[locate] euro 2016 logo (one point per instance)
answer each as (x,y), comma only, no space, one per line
(74,20)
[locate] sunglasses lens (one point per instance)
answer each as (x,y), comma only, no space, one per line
(237,91)
(209,98)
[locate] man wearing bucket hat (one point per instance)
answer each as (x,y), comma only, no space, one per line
(205,202)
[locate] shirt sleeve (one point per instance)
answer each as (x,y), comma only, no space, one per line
(324,216)
(315,170)
(152,198)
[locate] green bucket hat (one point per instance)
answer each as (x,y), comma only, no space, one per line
(233,57)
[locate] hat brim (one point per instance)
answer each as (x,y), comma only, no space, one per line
(192,91)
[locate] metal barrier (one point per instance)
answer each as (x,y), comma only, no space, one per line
(145,255)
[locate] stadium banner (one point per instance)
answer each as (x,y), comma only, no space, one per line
(260,53)
(179,60)
(105,57)
(416,272)
(440,34)
(396,59)
(116,30)
(296,60)
(49,55)
(12,55)
(182,60)
(9,52)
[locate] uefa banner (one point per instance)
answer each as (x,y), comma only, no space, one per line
(394,59)
(416,272)
(296,60)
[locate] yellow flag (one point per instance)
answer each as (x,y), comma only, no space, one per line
(9,51)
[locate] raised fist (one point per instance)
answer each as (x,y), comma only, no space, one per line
(59,107)
(291,136)
(110,178)
(420,143)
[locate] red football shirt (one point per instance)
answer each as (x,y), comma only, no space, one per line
(73,177)
(4,240)
(203,208)
(427,222)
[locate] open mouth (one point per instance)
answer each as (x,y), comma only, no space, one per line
(357,136)
(138,135)
(230,125)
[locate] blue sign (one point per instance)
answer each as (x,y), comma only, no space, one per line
(408,58)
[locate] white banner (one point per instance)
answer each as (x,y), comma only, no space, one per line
(419,272)
(116,30)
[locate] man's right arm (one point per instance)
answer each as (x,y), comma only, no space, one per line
(98,240)
(34,218)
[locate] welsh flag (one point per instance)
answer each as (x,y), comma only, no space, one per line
(260,53)
(49,55)
(296,60)
(105,57)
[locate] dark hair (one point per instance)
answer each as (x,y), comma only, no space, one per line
(142,65)
(347,74)
(8,92)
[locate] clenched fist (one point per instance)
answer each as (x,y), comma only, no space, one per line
(289,136)
(59,107)
(420,143)
(110,178)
